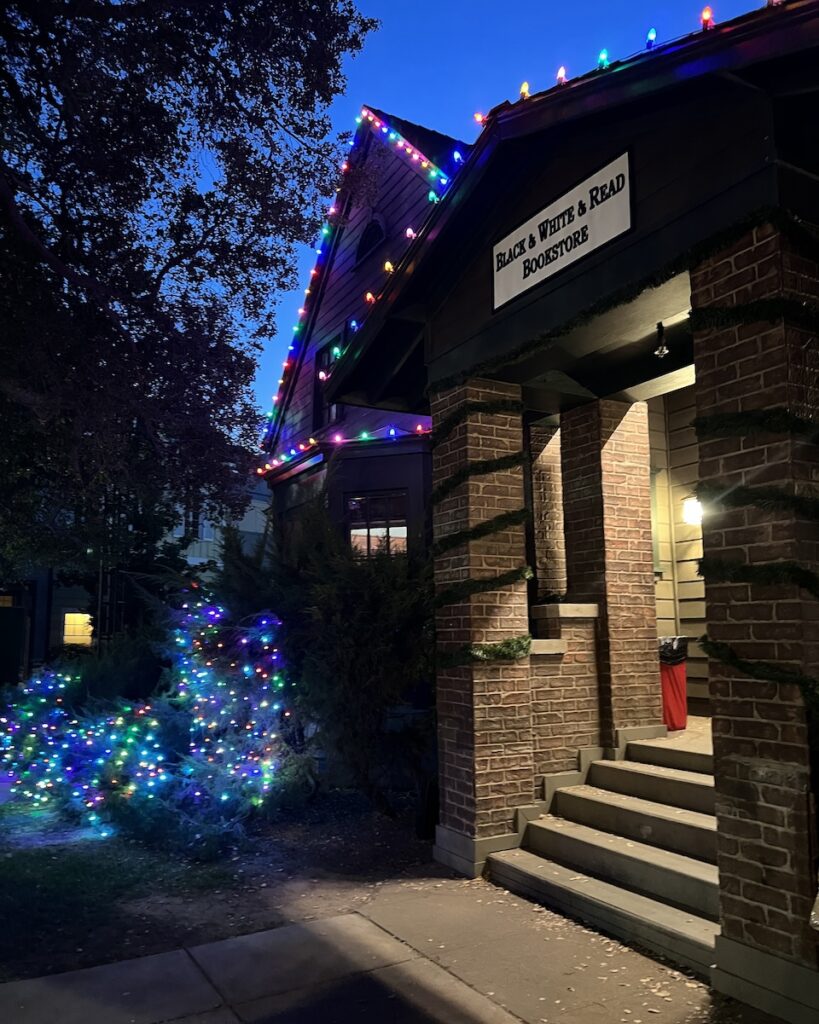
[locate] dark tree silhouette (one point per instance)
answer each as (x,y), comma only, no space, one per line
(159,160)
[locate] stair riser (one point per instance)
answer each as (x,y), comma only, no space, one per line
(677,836)
(698,956)
(668,757)
(658,788)
(612,865)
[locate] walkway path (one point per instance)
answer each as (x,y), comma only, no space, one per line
(426,951)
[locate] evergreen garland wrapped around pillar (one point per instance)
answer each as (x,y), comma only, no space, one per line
(766,498)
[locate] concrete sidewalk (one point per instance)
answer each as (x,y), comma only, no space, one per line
(423,952)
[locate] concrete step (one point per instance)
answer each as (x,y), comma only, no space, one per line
(681,881)
(670,828)
(666,755)
(691,790)
(684,938)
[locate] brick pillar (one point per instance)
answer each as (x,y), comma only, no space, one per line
(609,557)
(765,815)
(547,511)
(484,708)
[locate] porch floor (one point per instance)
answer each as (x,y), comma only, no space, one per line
(696,737)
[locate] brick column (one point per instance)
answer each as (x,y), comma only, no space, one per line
(484,708)
(767,852)
(547,511)
(609,557)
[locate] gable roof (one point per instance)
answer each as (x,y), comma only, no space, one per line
(435,157)
(730,49)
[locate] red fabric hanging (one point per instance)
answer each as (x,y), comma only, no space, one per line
(675,696)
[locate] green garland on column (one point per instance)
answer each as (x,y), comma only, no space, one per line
(466,588)
(769,499)
(455,418)
(484,529)
(480,468)
(513,649)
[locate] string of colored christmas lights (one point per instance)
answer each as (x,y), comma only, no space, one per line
(303,448)
(435,175)
(227,683)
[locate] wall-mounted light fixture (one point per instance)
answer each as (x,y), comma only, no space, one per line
(692,511)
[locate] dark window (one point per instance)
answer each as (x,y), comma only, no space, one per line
(377,521)
(372,235)
(325,413)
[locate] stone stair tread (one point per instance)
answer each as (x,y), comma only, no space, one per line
(647,807)
(665,752)
(672,774)
(677,934)
(632,848)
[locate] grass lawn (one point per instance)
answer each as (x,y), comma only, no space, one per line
(69,900)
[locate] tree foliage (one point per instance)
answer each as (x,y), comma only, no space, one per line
(159,161)
(357,635)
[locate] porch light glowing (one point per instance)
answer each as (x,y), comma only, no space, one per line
(524,91)
(603,59)
(561,75)
(692,512)
(707,18)
(651,38)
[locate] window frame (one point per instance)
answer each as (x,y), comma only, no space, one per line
(369,521)
(326,414)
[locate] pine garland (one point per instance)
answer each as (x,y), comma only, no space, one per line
(466,588)
(754,422)
(794,311)
(764,670)
(783,220)
(476,469)
(484,529)
(457,416)
(513,649)
(765,498)
(718,570)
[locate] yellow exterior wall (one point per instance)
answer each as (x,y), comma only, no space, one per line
(680,590)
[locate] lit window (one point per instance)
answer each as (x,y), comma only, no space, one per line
(377,522)
(77,629)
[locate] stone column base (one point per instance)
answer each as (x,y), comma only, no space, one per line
(466,855)
(781,988)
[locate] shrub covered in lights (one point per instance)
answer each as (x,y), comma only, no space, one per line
(189,769)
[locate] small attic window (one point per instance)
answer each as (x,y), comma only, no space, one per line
(372,236)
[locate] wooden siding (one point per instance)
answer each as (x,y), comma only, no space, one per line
(680,589)
(401,202)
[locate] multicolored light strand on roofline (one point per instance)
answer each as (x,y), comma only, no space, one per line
(304,448)
(228,686)
(435,176)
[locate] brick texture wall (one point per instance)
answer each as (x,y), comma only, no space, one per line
(547,511)
(609,557)
(765,813)
(484,710)
(565,705)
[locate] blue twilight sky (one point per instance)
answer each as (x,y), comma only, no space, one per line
(436,63)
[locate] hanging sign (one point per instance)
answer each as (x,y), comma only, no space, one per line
(593,213)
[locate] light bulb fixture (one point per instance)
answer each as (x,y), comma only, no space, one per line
(707,19)
(651,38)
(603,60)
(692,512)
(561,75)
(524,91)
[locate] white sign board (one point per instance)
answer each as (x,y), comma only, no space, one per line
(593,213)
